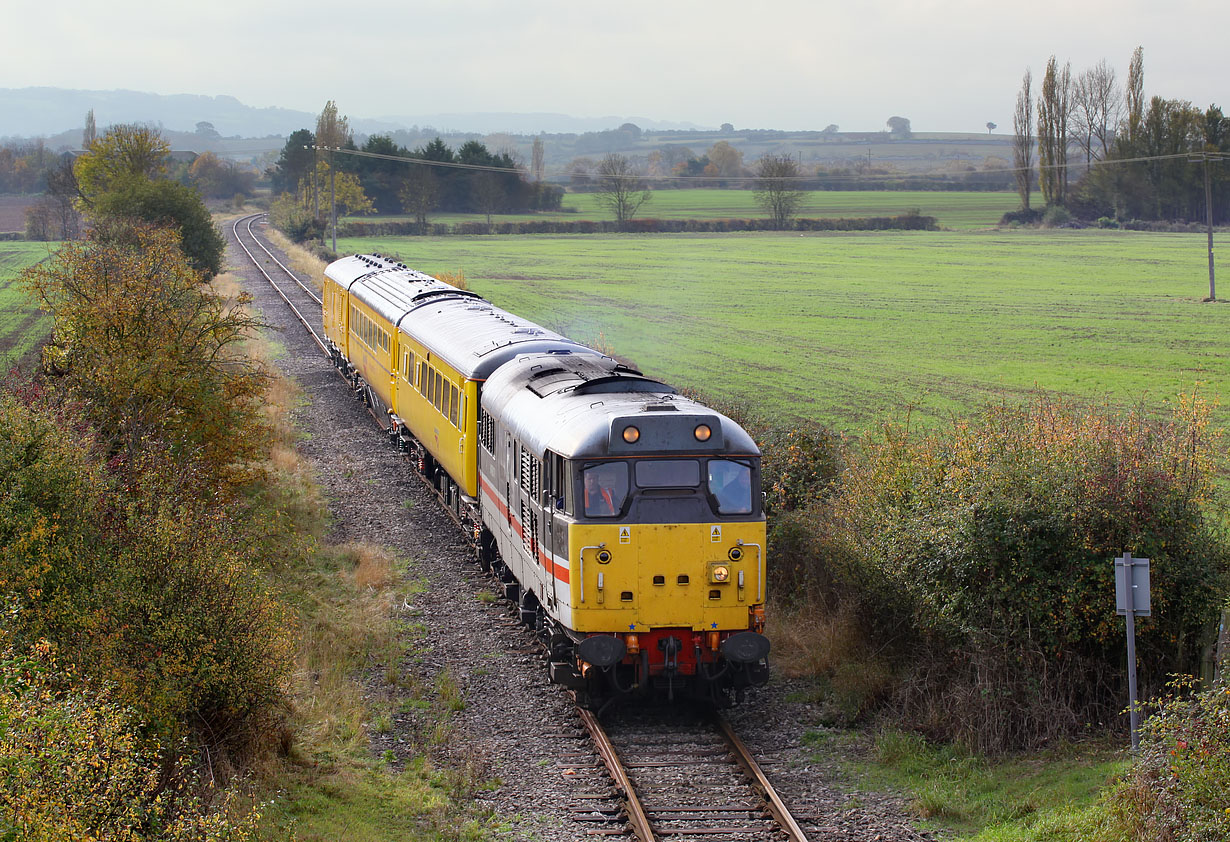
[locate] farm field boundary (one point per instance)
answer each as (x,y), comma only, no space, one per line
(956,210)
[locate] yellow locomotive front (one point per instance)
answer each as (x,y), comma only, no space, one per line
(654,531)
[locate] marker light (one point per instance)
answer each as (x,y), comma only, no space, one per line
(631,434)
(720,573)
(702,432)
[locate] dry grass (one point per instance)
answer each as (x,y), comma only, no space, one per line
(808,640)
(373,566)
(457,279)
(300,260)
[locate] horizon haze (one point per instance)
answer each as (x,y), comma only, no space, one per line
(788,65)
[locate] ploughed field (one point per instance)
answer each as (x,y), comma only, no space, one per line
(23,328)
(852,328)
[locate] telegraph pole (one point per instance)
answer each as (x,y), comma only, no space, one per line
(332,203)
(1208,218)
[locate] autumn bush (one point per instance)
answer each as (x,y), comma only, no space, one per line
(150,352)
(1178,789)
(75,763)
(980,557)
(149,588)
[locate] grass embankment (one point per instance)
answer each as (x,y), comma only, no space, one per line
(850,329)
(23,328)
(354,638)
(1049,796)
(953,210)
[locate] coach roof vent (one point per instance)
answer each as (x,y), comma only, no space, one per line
(659,407)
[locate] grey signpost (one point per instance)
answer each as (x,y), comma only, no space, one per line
(1132,601)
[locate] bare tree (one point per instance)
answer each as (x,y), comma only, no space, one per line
(420,194)
(536,156)
(1023,140)
(777,191)
(1054,108)
(991,127)
(63,194)
(1095,110)
(620,189)
(488,194)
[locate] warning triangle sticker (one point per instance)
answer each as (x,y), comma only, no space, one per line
(715,533)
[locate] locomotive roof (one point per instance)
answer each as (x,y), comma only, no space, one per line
(460,327)
(577,405)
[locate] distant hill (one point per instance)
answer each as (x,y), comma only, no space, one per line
(44,112)
(34,112)
(533,123)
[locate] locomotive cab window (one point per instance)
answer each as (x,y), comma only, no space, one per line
(604,488)
(730,484)
(668,473)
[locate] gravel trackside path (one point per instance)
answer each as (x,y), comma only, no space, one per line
(512,726)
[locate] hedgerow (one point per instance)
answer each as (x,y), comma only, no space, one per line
(75,763)
(151,590)
(980,557)
(647,225)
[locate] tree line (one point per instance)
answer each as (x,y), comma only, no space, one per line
(1135,160)
(317,168)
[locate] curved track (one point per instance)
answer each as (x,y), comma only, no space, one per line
(677,773)
(246,237)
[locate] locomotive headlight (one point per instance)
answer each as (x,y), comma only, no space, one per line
(702,432)
(719,573)
(631,434)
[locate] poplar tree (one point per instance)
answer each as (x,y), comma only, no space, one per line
(1023,140)
(1054,108)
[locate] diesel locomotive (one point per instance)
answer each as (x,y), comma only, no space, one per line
(623,519)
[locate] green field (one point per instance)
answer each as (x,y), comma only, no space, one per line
(22,327)
(850,329)
(954,210)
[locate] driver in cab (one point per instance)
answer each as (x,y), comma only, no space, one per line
(599,501)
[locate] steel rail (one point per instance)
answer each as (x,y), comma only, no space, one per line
(235,229)
(637,818)
(773,801)
(379,421)
(311,292)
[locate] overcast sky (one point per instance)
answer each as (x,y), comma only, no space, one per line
(947,66)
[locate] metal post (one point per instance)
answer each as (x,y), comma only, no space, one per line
(1133,712)
(1132,600)
(1208,218)
(315,181)
(332,203)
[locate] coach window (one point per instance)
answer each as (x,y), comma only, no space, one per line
(604,487)
(730,484)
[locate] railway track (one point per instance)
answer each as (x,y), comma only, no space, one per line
(681,773)
(301,297)
(656,772)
